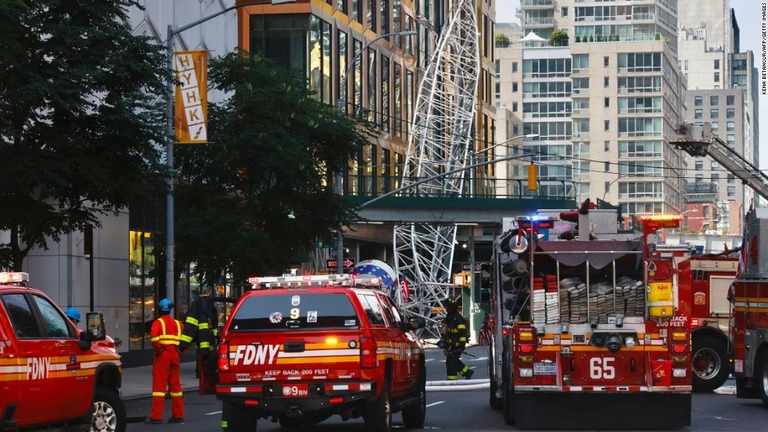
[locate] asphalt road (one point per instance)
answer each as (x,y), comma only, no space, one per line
(466,410)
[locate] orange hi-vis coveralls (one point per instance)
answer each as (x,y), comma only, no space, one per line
(165,337)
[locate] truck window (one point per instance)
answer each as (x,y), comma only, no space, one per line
(372,309)
(22,318)
(55,324)
(295,311)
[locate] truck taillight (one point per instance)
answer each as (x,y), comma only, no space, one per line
(368,353)
(526,348)
(224,357)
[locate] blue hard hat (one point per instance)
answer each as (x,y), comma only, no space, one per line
(165,305)
(73,313)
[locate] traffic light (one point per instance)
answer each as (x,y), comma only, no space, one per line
(533,177)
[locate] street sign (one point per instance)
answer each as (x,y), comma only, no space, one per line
(347,264)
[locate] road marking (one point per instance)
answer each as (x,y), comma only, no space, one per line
(726,390)
(478,359)
(213,413)
(435,403)
(429,360)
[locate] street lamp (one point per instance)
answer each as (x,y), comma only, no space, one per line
(170,137)
(341,104)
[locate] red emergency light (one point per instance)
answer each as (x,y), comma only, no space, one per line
(660,221)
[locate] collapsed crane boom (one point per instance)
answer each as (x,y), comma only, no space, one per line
(697,139)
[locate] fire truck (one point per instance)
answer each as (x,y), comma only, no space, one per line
(748,294)
(586,324)
(748,297)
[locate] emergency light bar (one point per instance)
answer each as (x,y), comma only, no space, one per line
(335,280)
(14,277)
(660,221)
(537,221)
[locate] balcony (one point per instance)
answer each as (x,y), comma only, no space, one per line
(538,22)
(537,4)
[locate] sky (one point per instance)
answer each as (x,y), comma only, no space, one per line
(750,20)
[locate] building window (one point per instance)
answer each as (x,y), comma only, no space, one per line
(717,77)
(514,87)
(714,165)
(714,113)
(371,15)
(731,178)
(282,38)
(730,113)
(607,102)
(699,165)
(356,12)
(514,106)
(385,99)
(606,61)
(607,125)
(730,126)
(606,82)
(686,65)
(730,99)
(717,64)
(564,11)
(607,145)
(706,211)
(715,177)
(607,166)
(715,126)
(698,114)
(731,191)
(341,5)
(384,14)
(714,100)
(498,90)
(730,139)
(515,130)
(698,100)
(514,67)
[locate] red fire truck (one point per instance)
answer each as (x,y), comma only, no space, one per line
(748,298)
(588,327)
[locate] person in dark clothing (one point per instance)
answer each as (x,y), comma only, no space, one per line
(200,329)
(454,341)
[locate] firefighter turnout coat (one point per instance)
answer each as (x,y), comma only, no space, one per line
(165,336)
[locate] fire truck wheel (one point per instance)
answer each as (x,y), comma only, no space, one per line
(413,415)
(378,415)
(108,411)
(709,363)
(764,381)
(237,418)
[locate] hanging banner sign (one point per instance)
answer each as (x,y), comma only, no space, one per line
(191,109)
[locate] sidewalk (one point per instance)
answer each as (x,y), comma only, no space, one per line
(137,381)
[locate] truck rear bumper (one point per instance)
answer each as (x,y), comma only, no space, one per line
(602,410)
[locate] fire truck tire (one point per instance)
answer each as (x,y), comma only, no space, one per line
(709,363)
(509,406)
(237,418)
(414,415)
(764,380)
(108,411)
(493,400)
(378,414)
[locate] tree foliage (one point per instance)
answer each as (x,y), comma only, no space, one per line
(502,40)
(558,38)
(261,191)
(77,121)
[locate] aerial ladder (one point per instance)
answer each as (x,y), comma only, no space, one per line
(697,139)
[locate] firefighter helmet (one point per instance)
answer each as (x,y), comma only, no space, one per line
(451,305)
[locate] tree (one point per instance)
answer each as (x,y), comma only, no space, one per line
(262,190)
(502,40)
(558,38)
(78,124)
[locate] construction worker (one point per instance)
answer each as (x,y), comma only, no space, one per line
(454,341)
(165,336)
(73,314)
(200,329)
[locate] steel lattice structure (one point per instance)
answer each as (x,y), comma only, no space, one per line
(440,141)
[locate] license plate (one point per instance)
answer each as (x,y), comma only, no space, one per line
(296,390)
(545,368)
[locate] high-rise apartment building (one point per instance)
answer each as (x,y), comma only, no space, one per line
(605,101)
(722,90)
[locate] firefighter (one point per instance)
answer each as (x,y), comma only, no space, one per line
(200,328)
(454,341)
(165,337)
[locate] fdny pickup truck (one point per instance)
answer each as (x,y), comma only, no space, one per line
(298,349)
(52,375)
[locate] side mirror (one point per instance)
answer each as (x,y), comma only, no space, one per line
(413,323)
(95,327)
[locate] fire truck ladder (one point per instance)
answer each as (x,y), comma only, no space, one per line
(698,140)
(440,141)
